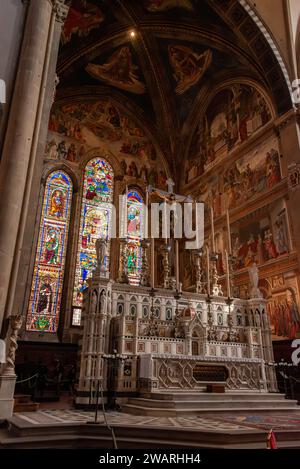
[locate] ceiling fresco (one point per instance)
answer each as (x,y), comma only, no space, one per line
(162,58)
(119,71)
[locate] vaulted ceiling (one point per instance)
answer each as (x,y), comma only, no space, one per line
(157,44)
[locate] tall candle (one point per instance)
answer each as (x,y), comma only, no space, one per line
(152,262)
(228,232)
(126,214)
(227,274)
(165,221)
(212,230)
(208,270)
(177,263)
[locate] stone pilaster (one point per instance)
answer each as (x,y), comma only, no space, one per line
(30,216)
(24,141)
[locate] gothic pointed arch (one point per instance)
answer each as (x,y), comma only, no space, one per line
(95,222)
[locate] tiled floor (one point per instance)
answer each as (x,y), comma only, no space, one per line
(221,423)
(265,422)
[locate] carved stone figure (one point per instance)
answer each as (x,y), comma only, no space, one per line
(16,323)
(103,302)
(94,302)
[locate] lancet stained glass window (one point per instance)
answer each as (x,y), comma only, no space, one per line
(47,282)
(135,229)
(95,222)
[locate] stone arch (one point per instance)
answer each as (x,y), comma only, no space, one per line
(59,166)
(256,18)
(265,288)
(77,96)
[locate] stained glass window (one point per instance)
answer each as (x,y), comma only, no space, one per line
(135,229)
(95,221)
(47,282)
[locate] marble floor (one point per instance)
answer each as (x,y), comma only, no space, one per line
(67,428)
(223,423)
(63,416)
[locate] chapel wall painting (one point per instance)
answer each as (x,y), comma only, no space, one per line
(74,129)
(46,289)
(233,115)
(261,240)
(284,315)
(240,181)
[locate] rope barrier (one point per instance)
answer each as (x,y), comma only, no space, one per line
(295,379)
(27,379)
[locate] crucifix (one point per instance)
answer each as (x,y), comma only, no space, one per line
(169,194)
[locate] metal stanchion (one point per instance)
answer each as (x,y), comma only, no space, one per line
(113,360)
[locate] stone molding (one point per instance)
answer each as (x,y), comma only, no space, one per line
(60,9)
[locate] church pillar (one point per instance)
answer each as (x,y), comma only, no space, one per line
(30,217)
(32,99)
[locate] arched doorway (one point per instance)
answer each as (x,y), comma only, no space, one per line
(197,341)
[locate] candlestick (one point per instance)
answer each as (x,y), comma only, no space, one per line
(152,262)
(144,279)
(212,230)
(125,228)
(208,270)
(177,263)
(229,234)
(227,274)
(165,224)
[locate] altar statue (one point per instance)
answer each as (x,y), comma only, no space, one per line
(101,252)
(254,279)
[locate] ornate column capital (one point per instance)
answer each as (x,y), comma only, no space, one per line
(60,9)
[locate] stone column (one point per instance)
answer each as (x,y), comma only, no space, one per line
(22,136)
(18,164)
